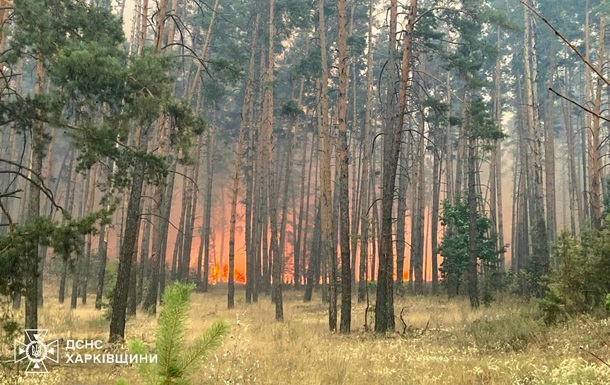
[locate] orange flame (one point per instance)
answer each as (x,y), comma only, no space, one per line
(216,275)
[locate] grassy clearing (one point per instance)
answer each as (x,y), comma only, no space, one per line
(505,343)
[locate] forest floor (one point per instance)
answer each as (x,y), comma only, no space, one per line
(445,343)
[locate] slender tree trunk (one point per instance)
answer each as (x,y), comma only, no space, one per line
(119,304)
(496,164)
(78,265)
(87,262)
(207,214)
(586,134)
(574,191)
(436,192)
(157,275)
(540,250)
(268,141)
(314,249)
(549,155)
(343,176)
(145,250)
(366,161)
(179,242)
(188,240)
(68,206)
(299,227)
(401,222)
(313,271)
(473,290)
(418,222)
(245,123)
(384,312)
(33,208)
(238,161)
(523,226)
(325,149)
(595,179)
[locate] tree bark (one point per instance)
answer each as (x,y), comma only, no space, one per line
(595,179)
(343,176)
(365,220)
(540,249)
(384,311)
(473,290)
(89,210)
(325,151)
(119,304)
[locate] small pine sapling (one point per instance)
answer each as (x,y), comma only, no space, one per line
(176,361)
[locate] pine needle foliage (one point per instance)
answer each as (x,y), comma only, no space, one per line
(176,361)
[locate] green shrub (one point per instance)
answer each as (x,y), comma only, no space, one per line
(581,281)
(552,306)
(507,333)
(109,286)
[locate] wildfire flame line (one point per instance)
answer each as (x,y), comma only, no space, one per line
(221,274)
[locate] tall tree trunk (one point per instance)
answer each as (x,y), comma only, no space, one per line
(595,179)
(384,313)
(298,261)
(366,161)
(68,206)
(245,123)
(268,141)
(473,290)
(496,162)
(419,207)
(549,155)
(188,237)
(87,262)
(343,176)
(325,149)
(313,268)
(540,249)
(440,138)
(145,250)
(119,304)
(157,265)
(207,213)
(179,242)
(586,137)
(573,178)
(401,222)
(33,207)
(523,226)
(78,266)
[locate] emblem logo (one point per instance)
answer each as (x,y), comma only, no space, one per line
(36,350)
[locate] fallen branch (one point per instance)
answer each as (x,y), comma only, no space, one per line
(596,356)
(402,321)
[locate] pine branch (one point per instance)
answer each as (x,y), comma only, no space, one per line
(171,330)
(206,344)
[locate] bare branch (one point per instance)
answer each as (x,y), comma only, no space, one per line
(11,224)
(572,46)
(40,186)
(579,105)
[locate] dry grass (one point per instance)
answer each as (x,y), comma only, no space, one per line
(502,344)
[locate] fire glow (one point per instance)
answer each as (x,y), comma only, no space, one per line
(219,274)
